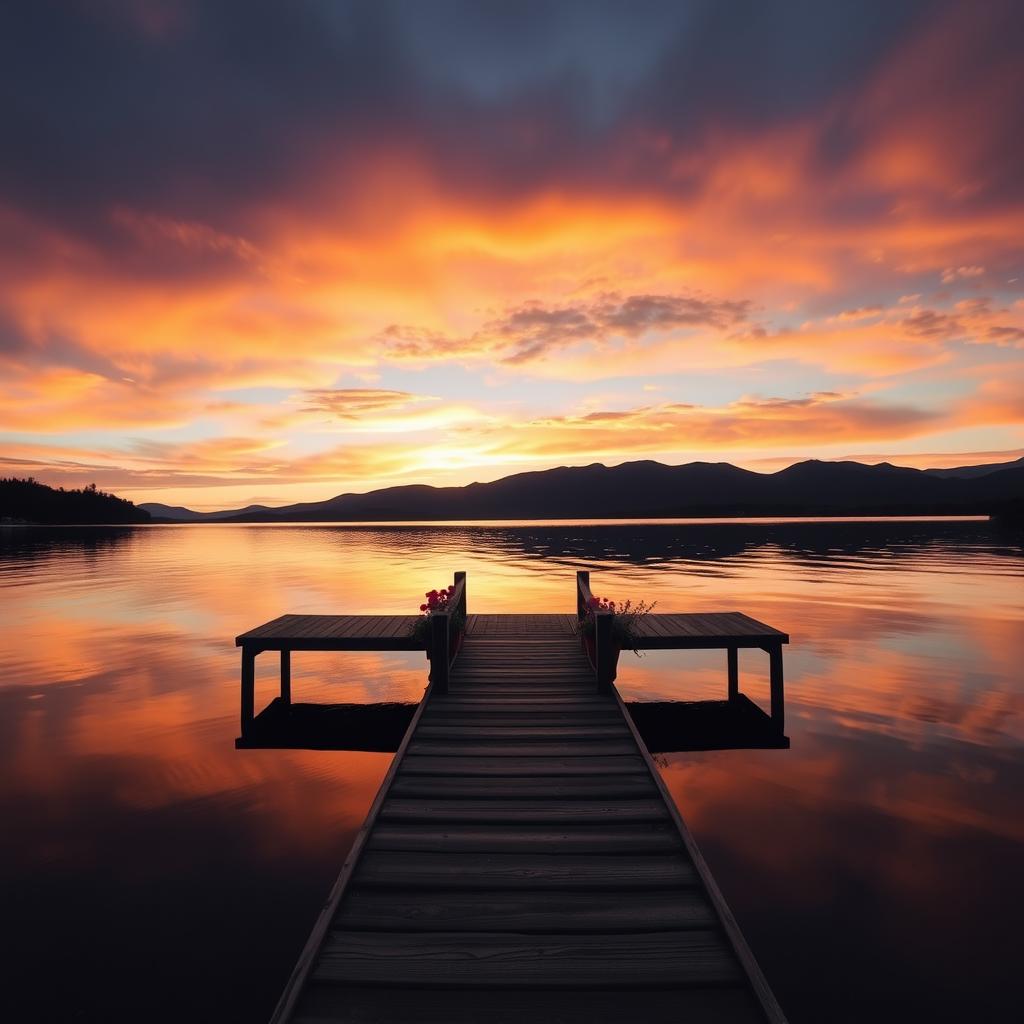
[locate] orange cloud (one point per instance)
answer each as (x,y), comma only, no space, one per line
(869,238)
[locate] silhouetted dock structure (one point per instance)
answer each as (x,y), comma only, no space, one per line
(523,859)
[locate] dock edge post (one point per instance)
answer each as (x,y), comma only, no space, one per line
(460,578)
(582,592)
(732,658)
(604,654)
(286,677)
(777,687)
(439,652)
(248,687)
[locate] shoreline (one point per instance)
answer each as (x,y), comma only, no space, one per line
(681,521)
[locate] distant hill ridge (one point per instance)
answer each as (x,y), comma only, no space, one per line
(647,489)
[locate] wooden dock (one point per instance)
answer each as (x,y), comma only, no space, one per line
(523,859)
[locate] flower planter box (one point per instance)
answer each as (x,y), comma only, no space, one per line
(454,646)
(590,646)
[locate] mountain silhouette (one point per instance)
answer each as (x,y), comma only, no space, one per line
(973,471)
(647,489)
(182,514)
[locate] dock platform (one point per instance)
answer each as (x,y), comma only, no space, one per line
(523,859)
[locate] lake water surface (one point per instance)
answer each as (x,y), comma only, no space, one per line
(154,873)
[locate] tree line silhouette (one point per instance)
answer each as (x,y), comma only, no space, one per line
(29,501)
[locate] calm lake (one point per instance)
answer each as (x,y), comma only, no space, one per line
(154,873)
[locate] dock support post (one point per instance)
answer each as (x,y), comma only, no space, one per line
(439,656)
(604,653)
(778,696)
(460,577)
(734,673)
(248,687)
(582,583)
(286,677)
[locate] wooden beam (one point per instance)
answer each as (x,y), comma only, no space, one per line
(582,592)
(248,687)
(734,673)
(777,688)
(307,958)
(286,677)
(758,983)
(440,658)
(605,655)
(460,590)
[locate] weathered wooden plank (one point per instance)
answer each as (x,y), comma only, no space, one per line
(522,668)
(524,659)
(337,628)
(350,625)
(455,705)
(523,686)
(401,626)
(481,959)
(381,627)
(259,631)
(564,731)
(499,871)
(550,725)
(705,629)
(521,748)
(656,624)
(310,626)
(478,674)
(524,838)
(756,624)
(468,696)
(321,626)
(713,623)
(481,691)
(326,1003)
(541,654)
(559,812)
(526,912)
(498,789)
(766,999)
(540,658)
(307,958)
(423,764)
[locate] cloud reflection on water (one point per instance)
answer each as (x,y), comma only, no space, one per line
(119,707)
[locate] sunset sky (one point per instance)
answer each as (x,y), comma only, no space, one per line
(272,252)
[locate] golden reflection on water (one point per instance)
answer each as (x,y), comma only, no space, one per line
(119,704)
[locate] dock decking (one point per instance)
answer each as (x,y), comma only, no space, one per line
(523,859)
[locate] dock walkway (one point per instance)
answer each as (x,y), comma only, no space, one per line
(523,860)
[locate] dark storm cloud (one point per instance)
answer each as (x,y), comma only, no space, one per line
(215,102)
(198,111)
(750,62)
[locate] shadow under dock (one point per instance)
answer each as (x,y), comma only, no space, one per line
(666,727)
